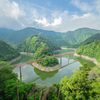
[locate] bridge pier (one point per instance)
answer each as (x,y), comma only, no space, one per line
(73,57)
(68,59)
(20,73)
(60,59)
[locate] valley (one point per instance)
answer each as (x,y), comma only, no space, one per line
(53,71)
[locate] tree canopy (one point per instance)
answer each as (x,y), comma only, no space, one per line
(7,53)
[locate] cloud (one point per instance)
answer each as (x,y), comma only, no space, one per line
(15,16)
(57,21)
(97,6)
(82,5)
(10,14)
(44,22)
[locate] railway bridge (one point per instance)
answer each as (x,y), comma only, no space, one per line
(30,62)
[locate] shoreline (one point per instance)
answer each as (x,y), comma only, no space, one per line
(46,69)
(27,53)
(88,58)
(68,48)
(15,59)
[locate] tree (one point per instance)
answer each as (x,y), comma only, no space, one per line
(78,86)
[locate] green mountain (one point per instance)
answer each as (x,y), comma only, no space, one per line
(19,36)
(35,42)
(7,53)
(92,50)
(4,33)
(91,39)
(60,39)
(79,35)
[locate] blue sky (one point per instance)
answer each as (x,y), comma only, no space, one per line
(56,15)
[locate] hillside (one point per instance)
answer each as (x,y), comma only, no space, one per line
(92,50)
(91,39)
(4,33)
(35,42)
(7,53)
(19,36)
(60,39)
(79,35)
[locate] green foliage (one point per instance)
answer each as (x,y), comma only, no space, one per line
(79,35)
(92,50)
(8,84)
(78,87)
(7,53)
(49,61)
(43,52)
(6,76)
(35,42)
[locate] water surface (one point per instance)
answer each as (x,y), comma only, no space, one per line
(31,74)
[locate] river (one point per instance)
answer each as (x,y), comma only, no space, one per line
(31,74)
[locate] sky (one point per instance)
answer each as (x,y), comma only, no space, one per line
(56,15)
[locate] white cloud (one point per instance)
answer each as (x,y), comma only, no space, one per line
(80,17)
(46,24)
(57,21)
(97,5)
(82,5)
(10,15)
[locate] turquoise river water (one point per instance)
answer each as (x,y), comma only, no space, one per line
(31,74)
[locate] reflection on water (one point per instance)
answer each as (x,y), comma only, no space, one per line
(44,75)
(31,74)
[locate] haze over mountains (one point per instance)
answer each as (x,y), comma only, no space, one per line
(60,39)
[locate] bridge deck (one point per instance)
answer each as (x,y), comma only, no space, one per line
(30,62)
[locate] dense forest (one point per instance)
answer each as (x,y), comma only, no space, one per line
(7,53)
(89,40)
(92,50)
(60,39)
(77,87)
(46,53)
(35,42)
(19,36)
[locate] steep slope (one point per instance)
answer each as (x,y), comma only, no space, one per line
(92,50)
(7,53)
(61,39)
(79,35)
(89,40)
(4,33)
(17,37)
(35,42)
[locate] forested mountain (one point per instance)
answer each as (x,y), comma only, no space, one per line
(89,40)
(79,35)
(7,53)
(17,37)
(35,42)
(92,50)
(61,39)
(4,33)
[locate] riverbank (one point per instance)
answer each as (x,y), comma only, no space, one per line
(57,50)
(32,54)
(46,69)
(68,48)
(88,58)
(15,59)
(27,53)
